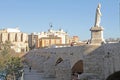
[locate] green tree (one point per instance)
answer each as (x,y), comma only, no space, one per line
(9,63)
(14,67)
(4,54)
(5,47)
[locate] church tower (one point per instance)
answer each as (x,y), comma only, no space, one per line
(97,30)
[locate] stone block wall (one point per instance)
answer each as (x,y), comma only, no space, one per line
(99,60)
(103,61)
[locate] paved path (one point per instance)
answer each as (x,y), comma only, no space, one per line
(31,75)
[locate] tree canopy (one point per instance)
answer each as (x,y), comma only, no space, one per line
(9,63)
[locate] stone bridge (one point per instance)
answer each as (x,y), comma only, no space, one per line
(62,62)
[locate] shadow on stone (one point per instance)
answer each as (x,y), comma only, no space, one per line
(114,76)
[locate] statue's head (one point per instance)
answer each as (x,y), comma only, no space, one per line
(99,5)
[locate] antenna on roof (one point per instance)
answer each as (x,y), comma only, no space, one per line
(51,26)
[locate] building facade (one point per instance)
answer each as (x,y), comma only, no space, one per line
(33,41)
(18,39)
(49,38)
(50,41)
(75,39)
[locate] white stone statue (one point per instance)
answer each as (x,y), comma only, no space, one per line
(98,16)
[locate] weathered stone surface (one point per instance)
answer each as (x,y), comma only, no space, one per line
(49,67)
(100,60)
(63,70)
(97,35)
(104,60)
(89,76)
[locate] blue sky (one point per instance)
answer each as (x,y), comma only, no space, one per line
(74,16)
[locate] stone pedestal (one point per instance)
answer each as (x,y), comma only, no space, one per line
(96,35)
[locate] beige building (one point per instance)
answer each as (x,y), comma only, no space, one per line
(50,41)
(75,39)
(37,40)
(33,41)
(18,39)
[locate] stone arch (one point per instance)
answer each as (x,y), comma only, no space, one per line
(114,76)
(78,67)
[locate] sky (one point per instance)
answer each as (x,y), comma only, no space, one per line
(75,17)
